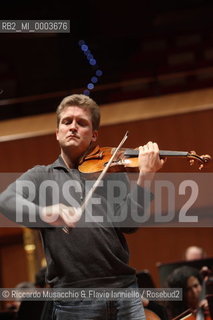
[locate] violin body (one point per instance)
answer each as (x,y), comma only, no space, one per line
(97,160)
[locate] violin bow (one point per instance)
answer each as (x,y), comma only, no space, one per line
(100,177)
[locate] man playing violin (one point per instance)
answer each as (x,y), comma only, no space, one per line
(91,255)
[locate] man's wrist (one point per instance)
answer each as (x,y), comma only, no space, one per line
(144,177)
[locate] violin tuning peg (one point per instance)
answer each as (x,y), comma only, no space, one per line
(201,166)
(191,162)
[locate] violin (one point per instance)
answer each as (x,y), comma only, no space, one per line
(126,160)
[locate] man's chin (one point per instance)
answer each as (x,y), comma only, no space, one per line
(71,144)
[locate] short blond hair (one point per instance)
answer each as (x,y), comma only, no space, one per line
(81,101)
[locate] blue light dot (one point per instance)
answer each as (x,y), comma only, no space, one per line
(92,62)
(86,92)
(81,42)
(90,86)
(94,79)
(99,73)
(84,47)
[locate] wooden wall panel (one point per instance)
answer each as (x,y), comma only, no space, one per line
(21,155)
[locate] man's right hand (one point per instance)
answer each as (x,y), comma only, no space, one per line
(59,215)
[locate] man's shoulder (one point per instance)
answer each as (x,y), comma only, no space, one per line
(42,170)
(47,168)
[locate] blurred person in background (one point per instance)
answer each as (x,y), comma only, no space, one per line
(194,253)
(190,281)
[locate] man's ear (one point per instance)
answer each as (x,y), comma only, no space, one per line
(94,135)
(56,133)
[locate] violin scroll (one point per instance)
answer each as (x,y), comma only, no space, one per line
(203,159)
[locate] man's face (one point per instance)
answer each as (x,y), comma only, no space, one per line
(75,130)
(193,293)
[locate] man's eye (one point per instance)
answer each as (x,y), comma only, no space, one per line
(82,123)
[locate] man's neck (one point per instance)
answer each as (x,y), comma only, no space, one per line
(69,162)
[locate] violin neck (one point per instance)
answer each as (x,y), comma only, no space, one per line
(167,153)
(163,153)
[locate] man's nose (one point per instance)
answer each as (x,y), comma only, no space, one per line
(73,126)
